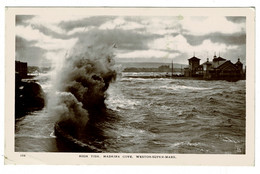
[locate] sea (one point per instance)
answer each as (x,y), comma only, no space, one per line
(155,115)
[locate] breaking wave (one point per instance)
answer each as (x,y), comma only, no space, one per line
(81,85)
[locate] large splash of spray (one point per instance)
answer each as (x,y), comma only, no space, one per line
(83,80)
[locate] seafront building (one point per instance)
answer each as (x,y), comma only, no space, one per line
(217,69)
(21,69)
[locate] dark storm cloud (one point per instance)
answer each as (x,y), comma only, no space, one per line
(234,54)
(230,39)
(26,51)
(48,32)
(21,43)
(131,40)
(86,22)
(21,19)
(125,40)
(236,19)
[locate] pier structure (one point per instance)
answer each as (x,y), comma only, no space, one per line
(217,69)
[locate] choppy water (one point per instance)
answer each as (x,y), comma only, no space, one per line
(157,115)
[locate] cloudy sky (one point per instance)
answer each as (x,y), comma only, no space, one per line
(42,39)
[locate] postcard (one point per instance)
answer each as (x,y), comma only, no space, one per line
(131,86)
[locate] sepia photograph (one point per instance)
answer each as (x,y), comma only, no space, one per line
(148,83)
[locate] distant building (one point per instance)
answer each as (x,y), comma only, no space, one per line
(21,69)
(194,64)
(219,68)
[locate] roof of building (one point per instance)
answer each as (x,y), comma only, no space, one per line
(193,58)
(214,65)
(207,62)
(238,62)
(226,64)
(219,59)
(221,63)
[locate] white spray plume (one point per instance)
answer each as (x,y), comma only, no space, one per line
(82,81)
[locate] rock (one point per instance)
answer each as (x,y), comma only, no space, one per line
(29,97)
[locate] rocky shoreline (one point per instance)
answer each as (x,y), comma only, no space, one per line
(29,96)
